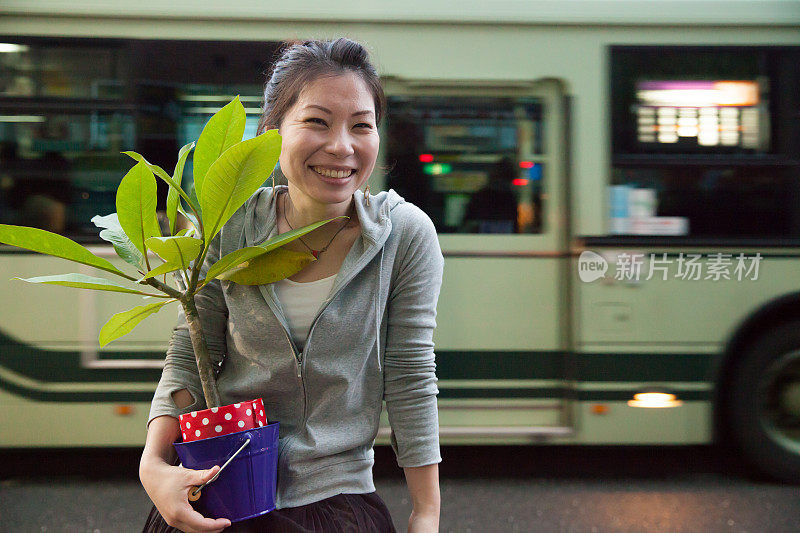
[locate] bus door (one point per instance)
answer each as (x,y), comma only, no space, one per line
(486,161)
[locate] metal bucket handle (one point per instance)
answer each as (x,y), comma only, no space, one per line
(195,492)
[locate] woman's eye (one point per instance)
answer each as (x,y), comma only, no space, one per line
(316,120)
(363,125)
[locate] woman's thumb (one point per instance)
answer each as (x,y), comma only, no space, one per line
(201,476)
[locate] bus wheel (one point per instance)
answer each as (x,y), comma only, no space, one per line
(763,399)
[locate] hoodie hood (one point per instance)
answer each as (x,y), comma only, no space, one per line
(260,219)
(261,215)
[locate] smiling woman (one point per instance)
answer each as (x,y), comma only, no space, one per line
(324,349)
(330,144)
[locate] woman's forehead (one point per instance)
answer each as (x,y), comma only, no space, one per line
(336,92)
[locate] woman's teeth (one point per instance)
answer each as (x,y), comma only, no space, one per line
(332,173)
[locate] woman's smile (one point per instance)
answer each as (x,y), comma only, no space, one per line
(337,174)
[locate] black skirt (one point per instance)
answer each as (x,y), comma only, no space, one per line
(343,513)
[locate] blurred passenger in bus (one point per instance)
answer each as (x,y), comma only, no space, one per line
(8,157)
(44,212)
(38,190)
(493,209)
(405,139)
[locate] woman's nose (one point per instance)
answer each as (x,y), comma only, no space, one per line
(340,143)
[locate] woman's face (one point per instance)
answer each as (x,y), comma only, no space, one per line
(330,140)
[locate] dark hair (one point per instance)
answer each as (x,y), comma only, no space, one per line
(302,63)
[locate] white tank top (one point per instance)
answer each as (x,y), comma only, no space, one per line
(301,302)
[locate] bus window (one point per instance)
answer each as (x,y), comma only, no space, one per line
(754,201)
(69,107)
(475,165)
(710,135)
(64,121)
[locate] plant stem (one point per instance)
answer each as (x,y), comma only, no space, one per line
(204,365)
(196,269)
(166,289)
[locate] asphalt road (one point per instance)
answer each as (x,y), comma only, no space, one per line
(486,489)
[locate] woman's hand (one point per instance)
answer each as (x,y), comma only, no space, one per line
(168,487)
(421,522)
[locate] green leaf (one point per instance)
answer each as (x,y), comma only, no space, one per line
(176,250)
(236,258)
(114,234)
(161,173)
(183,154)
(172,209)
(139,158)
(222,131)
(193,194)
(46,242)
(189,216)
(269,267)
(136,205)
(234,177)
(82,281)
(124,322)
(172,195)
(194,200)
(160,270)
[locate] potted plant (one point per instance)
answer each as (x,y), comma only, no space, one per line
(227,171)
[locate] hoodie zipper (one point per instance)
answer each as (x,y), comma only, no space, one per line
(355,270)
(358,267)
(297,355)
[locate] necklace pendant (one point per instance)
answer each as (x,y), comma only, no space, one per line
(315,253)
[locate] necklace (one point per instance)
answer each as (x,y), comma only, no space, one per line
(315,253)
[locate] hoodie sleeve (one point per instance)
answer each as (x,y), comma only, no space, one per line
(180,368)
(409,364)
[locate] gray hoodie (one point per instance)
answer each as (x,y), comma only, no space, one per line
(370,341)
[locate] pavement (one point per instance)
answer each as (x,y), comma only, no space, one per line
(484,489)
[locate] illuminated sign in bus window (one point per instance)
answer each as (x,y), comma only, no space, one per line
(702,113)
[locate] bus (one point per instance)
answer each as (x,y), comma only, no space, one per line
(616,191)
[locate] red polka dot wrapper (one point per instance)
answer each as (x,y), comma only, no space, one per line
(223,420)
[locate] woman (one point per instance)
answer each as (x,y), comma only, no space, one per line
(324,348)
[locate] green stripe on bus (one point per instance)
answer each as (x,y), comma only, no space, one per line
(576,366)
(500,364)
(493,394)
(64,367)
(457,394)
(73,397)
(643,366)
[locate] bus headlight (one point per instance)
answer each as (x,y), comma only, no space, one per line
(654,399)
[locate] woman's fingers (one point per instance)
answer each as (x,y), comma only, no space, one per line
(168,486)
(191,521)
